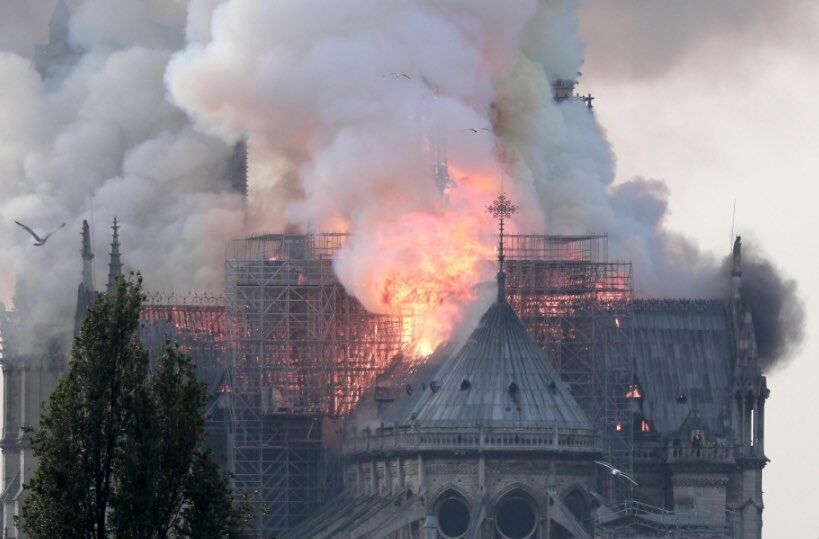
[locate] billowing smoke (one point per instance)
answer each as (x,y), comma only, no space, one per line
(351,108)
(99,133)
(347,107)
(647,38)
(777,310)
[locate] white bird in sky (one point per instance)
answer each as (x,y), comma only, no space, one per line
(39,241)
(399,75)
(617,473)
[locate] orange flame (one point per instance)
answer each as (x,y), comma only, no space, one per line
(425,265)
(428,270)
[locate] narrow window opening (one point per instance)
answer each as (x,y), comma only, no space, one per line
(753,420)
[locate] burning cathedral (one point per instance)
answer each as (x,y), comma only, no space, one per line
(572,410)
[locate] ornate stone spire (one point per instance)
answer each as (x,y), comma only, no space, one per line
(115,264)
(85,292)
(87,258)
(501,209)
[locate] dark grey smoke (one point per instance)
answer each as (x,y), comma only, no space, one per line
(777,309)
(646,38)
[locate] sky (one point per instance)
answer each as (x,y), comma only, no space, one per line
(723,111)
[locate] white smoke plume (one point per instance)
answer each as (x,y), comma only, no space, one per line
(341,101)
(346,106)
(102,134)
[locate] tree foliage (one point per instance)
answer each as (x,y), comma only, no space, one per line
(120,445)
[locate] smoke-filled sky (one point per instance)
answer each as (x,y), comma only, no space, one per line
(699,103)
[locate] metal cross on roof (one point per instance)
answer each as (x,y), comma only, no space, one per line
(501,209)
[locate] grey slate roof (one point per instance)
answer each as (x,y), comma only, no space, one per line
(348,516)
(682,347)
(499,378)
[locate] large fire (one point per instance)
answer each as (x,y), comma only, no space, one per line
(425,264)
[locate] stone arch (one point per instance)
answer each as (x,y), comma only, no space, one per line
(579,503)
(517,512)
(538,500)
(453,511)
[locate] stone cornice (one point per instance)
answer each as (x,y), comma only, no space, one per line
(699,481)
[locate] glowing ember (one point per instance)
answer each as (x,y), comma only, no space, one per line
(634,392)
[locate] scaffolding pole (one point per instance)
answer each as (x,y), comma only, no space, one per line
(577,306)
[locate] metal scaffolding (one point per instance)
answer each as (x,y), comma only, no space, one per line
(577,305)
(300,347)
(198,325)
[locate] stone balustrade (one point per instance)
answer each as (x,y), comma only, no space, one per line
(438,439)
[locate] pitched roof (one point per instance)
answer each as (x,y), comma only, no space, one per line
(499,378)
(682,352)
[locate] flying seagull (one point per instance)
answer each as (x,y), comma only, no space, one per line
(472,129)
(617,473)
(39,241)
(399,75)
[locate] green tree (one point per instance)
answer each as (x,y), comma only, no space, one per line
(120,445)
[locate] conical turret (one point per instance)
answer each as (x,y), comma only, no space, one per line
(500,377)
(115,263)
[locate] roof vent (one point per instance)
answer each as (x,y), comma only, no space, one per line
(513,389)
(466,385)
(513,392)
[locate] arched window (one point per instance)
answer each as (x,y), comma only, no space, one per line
(452,512)
(515,516)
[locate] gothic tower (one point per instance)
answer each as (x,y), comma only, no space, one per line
(85,292)
(57,52)
(747,403)
(114,264)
